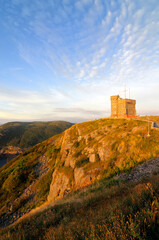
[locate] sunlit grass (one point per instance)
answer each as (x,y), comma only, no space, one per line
(127,144)
(115,211)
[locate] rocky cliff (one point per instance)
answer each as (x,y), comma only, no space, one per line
(83,154)
(97,149)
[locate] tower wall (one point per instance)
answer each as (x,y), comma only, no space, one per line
(114,106)
(122,108)
(130,105)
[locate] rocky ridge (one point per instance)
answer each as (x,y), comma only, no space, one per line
(83,154)
(87,154)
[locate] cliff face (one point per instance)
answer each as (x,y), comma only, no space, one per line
(10,152)
(83,154)
(96,149)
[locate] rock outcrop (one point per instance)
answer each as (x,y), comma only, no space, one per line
(59,186)
(93,150)
(83,154)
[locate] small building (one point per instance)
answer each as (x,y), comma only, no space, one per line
(122,108)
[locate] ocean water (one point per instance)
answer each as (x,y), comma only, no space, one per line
(2,162)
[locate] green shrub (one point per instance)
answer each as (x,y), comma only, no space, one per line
(68,171)
(12,182)
(77,154)
(83,161)
(76,144)
(43,185)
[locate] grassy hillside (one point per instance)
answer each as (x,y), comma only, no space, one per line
(150,118)
(109,210)
(27,134)
(88,153)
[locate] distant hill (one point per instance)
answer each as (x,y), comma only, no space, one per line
(27,134)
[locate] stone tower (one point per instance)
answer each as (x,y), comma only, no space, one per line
(122,108)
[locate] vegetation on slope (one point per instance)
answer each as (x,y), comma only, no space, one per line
(64,162)
(149,118)
(23,172)
(109,210)
(27,134)
(117,145)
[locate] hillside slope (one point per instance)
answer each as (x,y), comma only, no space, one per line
(16,137)
(82,155)
(27,134)
(109,209)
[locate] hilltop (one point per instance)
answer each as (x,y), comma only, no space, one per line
(96,157)
(150,118)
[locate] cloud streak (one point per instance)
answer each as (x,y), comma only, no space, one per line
(78,53)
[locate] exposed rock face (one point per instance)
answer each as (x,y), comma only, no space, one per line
(10,151)
(78,175)
(78,157)
(70,162)
(59,186)
(142,171)
(61,183)
(92,158)
(104,153)
(89,149)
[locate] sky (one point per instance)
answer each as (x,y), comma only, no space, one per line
(63,59)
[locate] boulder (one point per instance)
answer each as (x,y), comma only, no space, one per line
(92,158)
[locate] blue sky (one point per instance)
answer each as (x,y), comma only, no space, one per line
(63,59)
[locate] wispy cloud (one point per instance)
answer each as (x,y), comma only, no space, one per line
(78,53)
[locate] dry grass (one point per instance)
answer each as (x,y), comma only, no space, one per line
(121,211)
(126,141)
